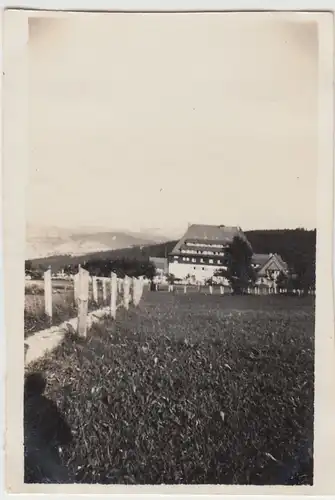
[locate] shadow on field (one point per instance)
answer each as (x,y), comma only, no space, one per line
(181,391)
(45,432)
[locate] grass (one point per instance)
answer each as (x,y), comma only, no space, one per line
(183,390)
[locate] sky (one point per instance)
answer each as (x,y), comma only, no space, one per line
(142,121)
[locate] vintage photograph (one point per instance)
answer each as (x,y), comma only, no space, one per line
(170,258)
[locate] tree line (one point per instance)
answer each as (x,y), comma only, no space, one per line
(99,267)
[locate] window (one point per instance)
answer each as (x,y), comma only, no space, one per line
(219,261)
(201,260)
(211,261)
(194,260)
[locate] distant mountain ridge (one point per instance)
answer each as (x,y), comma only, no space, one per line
(54,241)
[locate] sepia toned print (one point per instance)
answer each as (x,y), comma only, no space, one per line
(172,220)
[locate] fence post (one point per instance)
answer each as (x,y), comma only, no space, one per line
(75,287)
(48,294)
(140,288)
(104,289)
(95,289)
(83,285)
(185,288)
(210,289)
(221,290)
(126,294)
(135,291)
(114,290)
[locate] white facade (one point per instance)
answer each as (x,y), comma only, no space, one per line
(201,273)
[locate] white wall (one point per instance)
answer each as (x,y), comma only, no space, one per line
(201,273)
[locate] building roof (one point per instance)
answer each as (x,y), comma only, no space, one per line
(206,234)
(263,261)
(259,259)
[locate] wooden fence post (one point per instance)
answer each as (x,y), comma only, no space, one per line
(210,289)
(185,288)
(83,285)
(222,290)
(48,294)
(135,291)
(141,286)
(104,289)
(114,290)
(75,287)
(126,292)
(95,289)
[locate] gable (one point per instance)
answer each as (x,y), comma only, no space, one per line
(273,264)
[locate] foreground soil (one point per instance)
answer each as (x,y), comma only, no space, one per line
(186,389)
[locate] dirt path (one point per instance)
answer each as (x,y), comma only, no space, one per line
(45,340)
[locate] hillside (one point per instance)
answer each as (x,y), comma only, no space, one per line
(296,246)
(59,242)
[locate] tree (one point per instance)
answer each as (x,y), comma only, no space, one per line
(307,278)
(286,281)
(122,266)
(170,278)
(239,271)
(28,266)
(38,271)
(70,269)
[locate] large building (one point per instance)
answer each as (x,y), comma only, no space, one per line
(202,251)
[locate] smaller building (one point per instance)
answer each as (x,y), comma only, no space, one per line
(162,268)
(268,267)
(61,275)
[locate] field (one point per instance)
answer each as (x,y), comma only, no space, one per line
(189,388)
